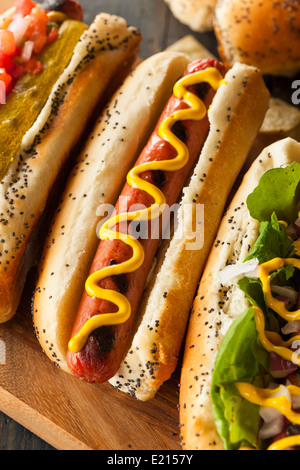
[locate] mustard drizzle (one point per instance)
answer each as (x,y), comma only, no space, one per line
(196,111)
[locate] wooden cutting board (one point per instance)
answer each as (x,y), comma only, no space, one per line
(70,414)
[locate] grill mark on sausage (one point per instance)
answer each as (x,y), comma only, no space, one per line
(105,339)
(159,178)
(120,280)
(179,131)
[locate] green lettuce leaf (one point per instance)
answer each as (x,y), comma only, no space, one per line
(278,191)
(253,291)
(240,359)
(273,242)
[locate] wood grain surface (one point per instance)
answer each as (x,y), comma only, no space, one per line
(74,415)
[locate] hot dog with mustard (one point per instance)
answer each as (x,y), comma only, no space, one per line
(184,153)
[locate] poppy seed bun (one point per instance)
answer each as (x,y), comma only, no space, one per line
(265,34)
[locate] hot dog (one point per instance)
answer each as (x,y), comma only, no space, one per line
(241,356)
(97,352)
(109,352)
(50,68)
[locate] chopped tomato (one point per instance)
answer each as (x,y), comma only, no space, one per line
(23,7)
(14,62)
(17,52)
(6,63)
(37,31)
(52,35)
(5,78)
(18,71)
(34,67)
(7,42)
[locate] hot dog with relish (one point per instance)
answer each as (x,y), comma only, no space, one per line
(50,64)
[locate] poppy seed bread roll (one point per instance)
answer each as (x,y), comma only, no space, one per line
(264,34)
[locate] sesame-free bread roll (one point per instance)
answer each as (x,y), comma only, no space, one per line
(103,55)
(216,306)
(265,34)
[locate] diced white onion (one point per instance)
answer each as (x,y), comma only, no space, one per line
(295,402)
(268,414)
(19,27)
(295,398)
(273,428)
(27,51)
(279,367)
(291,327)
(249,268)
(273,419)
(286,291)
